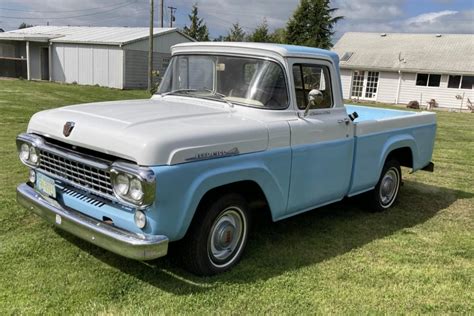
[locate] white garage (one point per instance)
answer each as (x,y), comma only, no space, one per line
(113,57)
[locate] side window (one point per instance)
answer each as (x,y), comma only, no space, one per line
(308,77)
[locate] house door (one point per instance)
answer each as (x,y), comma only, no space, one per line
(365,84)
(44,63)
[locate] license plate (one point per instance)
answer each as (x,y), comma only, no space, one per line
(45,185)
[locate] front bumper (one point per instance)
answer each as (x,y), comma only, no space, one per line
(124,243)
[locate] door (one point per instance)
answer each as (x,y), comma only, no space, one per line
(365,84)
(44,63)
(322,142)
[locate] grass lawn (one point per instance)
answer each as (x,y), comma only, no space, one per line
(416,258)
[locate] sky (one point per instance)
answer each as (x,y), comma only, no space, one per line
(415,16)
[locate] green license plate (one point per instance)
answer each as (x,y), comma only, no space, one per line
(45,185)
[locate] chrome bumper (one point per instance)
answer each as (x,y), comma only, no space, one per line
(121,242)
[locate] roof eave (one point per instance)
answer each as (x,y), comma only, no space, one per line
(414,70)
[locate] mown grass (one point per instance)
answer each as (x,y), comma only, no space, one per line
(416,258)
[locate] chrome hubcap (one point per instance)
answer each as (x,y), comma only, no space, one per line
(226,235)
(389,186)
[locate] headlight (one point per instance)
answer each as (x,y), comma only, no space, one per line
(136,191)
(122,184)
(28,153)
(24,152)
(133,184)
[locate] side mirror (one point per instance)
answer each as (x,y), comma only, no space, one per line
(315,97)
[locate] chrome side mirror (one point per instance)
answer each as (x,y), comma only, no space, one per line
(315,97)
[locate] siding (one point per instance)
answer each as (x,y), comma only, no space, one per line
(387,87)
(444,96)
(161,43)
(35,60)
(346,82)
(409,91)
(88,64)
(136,67)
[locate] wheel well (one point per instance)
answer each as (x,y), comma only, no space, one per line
(403,155)
(249,190)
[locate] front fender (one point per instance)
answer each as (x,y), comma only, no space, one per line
(180,188)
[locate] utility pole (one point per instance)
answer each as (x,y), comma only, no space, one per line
(172,18)
(150,48)
(162,9)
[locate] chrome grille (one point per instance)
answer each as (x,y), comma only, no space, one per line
(78,173)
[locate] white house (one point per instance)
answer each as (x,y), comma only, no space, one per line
(114,57)
(399,68)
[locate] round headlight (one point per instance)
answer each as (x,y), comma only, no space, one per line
(24,152)
(140,219)
(122,184)
(33,155)
(136,191)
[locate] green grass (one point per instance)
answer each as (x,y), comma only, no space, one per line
(415,258)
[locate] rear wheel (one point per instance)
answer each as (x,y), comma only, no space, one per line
(217,236)
(386,191)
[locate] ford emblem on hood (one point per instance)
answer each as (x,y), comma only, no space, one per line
(68,127)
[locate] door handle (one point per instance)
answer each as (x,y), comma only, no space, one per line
(346,121)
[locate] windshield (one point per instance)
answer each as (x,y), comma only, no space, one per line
(246,81)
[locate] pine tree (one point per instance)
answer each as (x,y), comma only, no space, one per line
(312,24)
(236,34)
(198,29)
(261,34)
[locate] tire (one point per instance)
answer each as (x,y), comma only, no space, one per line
(217,236)
(386,191)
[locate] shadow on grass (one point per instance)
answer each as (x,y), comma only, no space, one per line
(303,240)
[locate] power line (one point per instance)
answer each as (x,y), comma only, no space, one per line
(64,11)
(67,17)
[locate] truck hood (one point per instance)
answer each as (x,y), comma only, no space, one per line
(158,131)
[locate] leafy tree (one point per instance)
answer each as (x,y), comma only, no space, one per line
(278,36)
(198,29)
(312,24)
(23,25)
(236,34)
(261,33)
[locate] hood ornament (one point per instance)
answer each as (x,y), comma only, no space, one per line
(68,127)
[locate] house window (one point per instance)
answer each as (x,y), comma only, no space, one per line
(429,80)
(365,84)
(454,82)
(467,82)
(463,82)
(434,80)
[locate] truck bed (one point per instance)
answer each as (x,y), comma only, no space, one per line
(376,133)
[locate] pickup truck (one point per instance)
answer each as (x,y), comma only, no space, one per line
(230,124)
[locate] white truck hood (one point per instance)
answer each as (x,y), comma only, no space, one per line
(157,131)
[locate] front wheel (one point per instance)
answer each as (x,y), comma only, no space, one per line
(217,236)
(386,190)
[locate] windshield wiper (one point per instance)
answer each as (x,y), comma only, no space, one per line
(180,91)
(220,96)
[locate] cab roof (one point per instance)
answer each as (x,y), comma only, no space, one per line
(278,49)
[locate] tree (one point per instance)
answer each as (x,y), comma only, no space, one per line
(198,29)
(312,24)
(261,34)
(1,30)
(278,36)
(23,25)
(236,34)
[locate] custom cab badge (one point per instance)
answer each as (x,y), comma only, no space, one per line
(68,127)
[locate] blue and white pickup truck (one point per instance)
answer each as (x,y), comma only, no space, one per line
(230,124)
